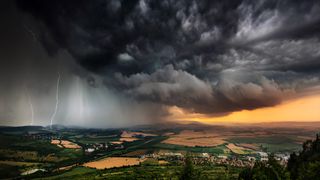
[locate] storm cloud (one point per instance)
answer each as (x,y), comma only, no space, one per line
(204,56)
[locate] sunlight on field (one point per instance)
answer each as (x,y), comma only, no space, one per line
(116,142)
(193,138)
(163,162)
(127,136)
(133,134)
(249,146)
(128,139)
(55,141)
(236,149)
(112,162)
(65,144)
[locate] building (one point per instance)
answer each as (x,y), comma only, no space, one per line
(89,150)
(263,156)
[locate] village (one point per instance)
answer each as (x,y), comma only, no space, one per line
(197,158)
(119,149)
(209,159)
(100,149)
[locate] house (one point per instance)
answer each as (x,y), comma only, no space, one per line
(263,156)
(89,150)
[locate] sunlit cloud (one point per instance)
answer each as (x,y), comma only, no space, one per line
(303,109)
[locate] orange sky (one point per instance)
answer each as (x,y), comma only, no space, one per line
(305,108)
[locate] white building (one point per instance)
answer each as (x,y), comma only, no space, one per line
(263,156)
(223,157)
(205,155)
(89,150)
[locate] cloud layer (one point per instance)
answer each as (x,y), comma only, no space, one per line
(205,56)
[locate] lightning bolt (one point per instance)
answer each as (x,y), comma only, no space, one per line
(57,102)
(31,108)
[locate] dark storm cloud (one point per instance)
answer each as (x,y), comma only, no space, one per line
(96,32)
(205,56)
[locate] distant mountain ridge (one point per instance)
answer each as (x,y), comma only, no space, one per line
(173,125)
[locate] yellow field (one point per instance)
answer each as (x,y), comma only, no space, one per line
(163,162)
(132,134)
(112,162)
(249,146)
(70,145)
(65,144)
(193,138)
(116,142)
(55,141)
(127,136)
(236,149)
(128,139)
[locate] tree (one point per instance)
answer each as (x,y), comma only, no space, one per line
(188,172)
(306,165)
(264,171)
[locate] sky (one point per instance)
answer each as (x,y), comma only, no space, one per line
(116,63)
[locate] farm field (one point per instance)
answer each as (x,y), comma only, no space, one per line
(112,162)
(236,149)
(65,144)
(193,138)
(270,143)
(34,152)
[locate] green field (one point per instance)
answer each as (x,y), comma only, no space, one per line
(147,172)
(22,152)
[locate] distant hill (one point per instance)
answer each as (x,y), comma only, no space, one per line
(188,125)
(174,125)
(20,128)
(291,124)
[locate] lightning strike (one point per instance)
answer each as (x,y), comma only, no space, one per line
(57,102)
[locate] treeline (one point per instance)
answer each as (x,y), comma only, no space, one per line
(306,165)
(302,166)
